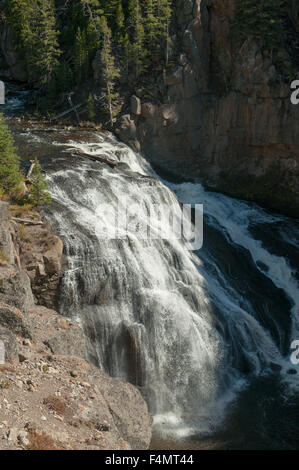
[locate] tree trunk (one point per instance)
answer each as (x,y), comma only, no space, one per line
(110,104)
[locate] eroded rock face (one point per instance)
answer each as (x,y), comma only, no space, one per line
(13,319)
(41,255)
(227,119)
(15,287)
(6,244)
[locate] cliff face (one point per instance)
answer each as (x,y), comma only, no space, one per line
(227,119)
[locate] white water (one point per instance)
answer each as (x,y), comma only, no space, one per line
(234,218)
(152,308)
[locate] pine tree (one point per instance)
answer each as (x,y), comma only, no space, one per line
(138,51)
(263,20)
(166,13)
(90,107)
(34,26)
(120,22)
(46,49)
(109,70)
(64,76)
(80,56)
(38,194)
(10,176)
(94,11)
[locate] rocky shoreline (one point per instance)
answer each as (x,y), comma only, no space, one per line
(51,396)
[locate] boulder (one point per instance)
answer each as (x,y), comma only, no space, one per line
(14,320)
(6,244)
(68,342)
(15,289)
(125,127)
(10,344)
(135,105)
(42,257)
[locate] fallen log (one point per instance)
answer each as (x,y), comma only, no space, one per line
(27,221)
(97,158)
(29,172)
(68,111)
(73,107)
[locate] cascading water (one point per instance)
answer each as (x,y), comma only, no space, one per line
(192,330)
(156,314)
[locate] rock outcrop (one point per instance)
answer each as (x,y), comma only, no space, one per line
(41,253)
(226,119)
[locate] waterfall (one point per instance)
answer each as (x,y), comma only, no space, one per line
(181,326)
(195,331)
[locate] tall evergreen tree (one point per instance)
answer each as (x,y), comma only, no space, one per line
(138,51)
(34,25)
(109,70)
(80,56)
(10,176)
(90,107)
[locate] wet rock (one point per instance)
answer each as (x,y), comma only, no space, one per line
(125,127)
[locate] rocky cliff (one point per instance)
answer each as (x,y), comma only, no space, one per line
(50,396)
(226,119)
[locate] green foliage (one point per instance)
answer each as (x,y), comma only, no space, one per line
(10,176)
(263,20)
(90,108)
(60,42)
(38,194)
(109,70)
(34,26)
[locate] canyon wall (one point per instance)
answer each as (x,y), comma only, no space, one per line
(226,119)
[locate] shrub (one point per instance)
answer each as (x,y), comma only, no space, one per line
(41,441)
(10,175)
(38,194)
(55,404)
